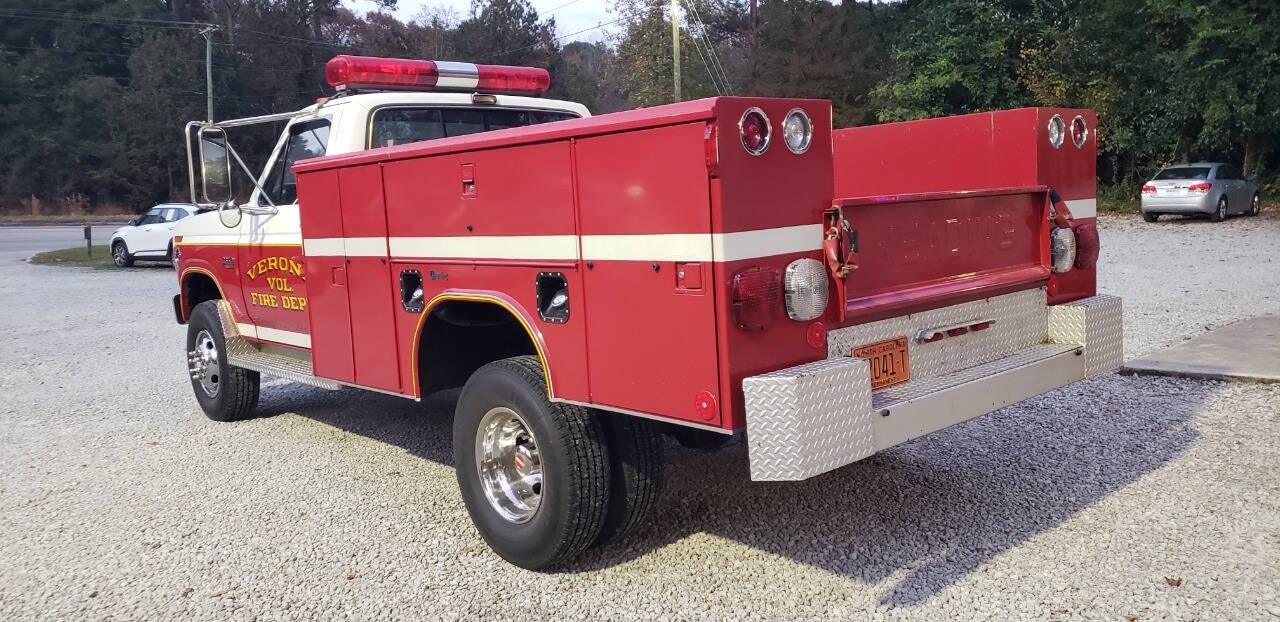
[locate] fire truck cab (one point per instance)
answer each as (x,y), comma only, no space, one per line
(706,268)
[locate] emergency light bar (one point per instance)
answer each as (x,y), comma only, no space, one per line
(350,72)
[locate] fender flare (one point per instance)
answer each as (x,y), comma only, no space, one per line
(512,307)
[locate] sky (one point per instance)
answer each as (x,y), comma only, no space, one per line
(576,20)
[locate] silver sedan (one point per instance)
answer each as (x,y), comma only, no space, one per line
(1209,188)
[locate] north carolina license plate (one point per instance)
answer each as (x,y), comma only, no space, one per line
(889,361)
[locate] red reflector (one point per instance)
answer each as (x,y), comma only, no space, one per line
(956,332)
(932,338)
(1087,244)
(704,403)
(980,326)
(757,295)
(816,335)
(506,79)
(1203,186)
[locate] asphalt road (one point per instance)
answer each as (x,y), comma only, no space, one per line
(20,242)
(1118,498)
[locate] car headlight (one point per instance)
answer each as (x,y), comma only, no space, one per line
(797,131)
(804,286)
(1062,249)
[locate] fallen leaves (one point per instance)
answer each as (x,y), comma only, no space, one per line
(1173,581)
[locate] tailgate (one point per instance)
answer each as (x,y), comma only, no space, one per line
(915,252)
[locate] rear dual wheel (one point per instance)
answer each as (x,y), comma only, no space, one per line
(542,480)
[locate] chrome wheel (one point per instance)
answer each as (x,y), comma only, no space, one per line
(509,465)
(203,363)
(1256,207)
(118,254)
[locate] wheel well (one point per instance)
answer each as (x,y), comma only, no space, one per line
(460,336)
(198,287)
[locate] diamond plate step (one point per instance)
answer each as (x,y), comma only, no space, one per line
(241,353)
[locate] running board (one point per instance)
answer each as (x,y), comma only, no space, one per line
(245,355)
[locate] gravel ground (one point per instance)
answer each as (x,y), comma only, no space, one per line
(1112,498)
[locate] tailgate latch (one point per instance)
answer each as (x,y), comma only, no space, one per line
(840,246)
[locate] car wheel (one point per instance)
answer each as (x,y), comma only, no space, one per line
(533,474)
(1150,216)
(635,473)
(120,254)
(1255,206)
(168,254)
(225,393)
(1220,213)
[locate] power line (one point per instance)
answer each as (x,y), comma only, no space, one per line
(557,39)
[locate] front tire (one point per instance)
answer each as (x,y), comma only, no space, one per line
(120,254)
(225,393)
(533,474)
(1220,212)
(1255,206)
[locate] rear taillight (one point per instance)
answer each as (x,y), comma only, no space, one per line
(1203,186)
(757,294)
(753,127)
(1148,189)
(1087,244)
(1057,130)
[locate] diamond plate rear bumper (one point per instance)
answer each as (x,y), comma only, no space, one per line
(816,417)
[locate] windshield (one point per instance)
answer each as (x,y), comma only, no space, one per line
(1183,172)
(399,126)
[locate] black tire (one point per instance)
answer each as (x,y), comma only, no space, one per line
(236,394)
(1220,212)
(574,491)
(1255,206)
(1150,216)
(168,254)
(635,473)
(120,255)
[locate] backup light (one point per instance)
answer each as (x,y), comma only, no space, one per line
(349,72)
(1062,249)
(1057,131)
(805,286)
(797,131)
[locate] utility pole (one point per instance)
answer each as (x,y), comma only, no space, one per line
(207,33)
(675,47)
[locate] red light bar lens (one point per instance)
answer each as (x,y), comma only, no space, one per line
(344,72)
(516,80)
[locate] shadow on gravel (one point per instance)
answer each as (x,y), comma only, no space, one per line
(929,512)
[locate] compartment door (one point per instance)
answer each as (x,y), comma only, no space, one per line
(325,266)
(369,293)
(646,233)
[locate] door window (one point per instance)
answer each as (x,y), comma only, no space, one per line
(1227,171)
(306,140)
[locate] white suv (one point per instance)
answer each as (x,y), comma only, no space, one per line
(149,236)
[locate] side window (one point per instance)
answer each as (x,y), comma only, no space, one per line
(150,218)
(306,140)
(1225,172)
(400,126)
(178,214)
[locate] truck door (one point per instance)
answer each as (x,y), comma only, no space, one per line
(271,265)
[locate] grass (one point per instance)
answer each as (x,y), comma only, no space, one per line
(77,257)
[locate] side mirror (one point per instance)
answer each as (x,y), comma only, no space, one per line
(215,166)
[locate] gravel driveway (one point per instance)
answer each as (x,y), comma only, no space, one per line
(1112,498)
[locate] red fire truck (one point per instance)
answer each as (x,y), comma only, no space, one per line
(701,269)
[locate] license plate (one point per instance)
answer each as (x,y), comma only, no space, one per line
(890,364)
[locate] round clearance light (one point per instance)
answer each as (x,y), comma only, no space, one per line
(797,131)
(1079,131)
(804,285)
(753,127)
(1057,131)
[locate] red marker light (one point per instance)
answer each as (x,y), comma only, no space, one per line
(754,130)
(704,403)
(816,335)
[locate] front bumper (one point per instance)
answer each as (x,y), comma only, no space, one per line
(819,416)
